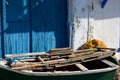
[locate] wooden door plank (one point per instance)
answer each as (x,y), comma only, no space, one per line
(17,37)
(49,24)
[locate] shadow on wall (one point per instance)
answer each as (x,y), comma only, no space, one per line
(111,10)
(47,13)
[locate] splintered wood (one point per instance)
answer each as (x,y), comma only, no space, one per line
(56,58)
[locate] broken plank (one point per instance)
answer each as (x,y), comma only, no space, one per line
(81,67)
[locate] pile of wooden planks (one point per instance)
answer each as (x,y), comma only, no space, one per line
(56,58)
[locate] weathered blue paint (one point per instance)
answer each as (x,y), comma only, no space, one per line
(18,8)
(34,25)
(17,31)
(3,23)
(15,39)
(49,24)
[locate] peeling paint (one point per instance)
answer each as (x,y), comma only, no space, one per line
(90,21)
(76,22)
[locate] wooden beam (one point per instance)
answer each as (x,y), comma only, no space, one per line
(26,54)
(81,67)
(40,59)
(108,63)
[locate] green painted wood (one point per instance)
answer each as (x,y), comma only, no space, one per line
(98,76)
(106,74)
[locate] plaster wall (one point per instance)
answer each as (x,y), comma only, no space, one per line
(88,20)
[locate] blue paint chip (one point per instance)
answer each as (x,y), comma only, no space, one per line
(103,3)
(118,50)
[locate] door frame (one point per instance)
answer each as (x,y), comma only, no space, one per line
(3,23)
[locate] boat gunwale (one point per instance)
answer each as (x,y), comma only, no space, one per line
(61,73)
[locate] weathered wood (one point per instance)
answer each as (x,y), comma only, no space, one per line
(108,63)
(40,59)
(27,60)
(26,54)
(64,60)
(19,64)
(59,49)
(85,50)
(81,67)
(61,53)
(83,53)
(37,65)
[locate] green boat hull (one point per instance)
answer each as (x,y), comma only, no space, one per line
(7,75)
(97,74)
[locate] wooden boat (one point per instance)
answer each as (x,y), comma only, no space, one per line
(83,66)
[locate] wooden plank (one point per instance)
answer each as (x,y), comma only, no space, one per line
(108,63)
(61,52)
(81,67)
(40,59)
(84,53)
(64,61)
(26,54)
(17,37)
(85,50)
(59,49)
(39,64)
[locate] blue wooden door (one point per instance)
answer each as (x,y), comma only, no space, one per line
(17,29)
(0,29)
(49,24)
(35,25)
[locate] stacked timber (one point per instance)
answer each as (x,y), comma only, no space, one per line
(56,58)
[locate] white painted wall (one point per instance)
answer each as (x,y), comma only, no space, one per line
(88,20)
(79,22)
(106,22)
